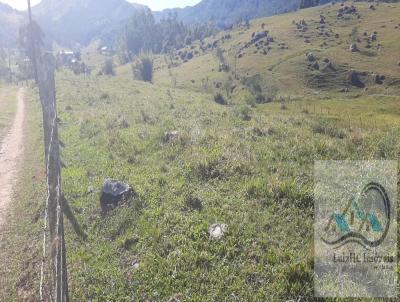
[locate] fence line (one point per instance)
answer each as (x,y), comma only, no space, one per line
(57,283)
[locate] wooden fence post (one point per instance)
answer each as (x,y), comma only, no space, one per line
(58,271)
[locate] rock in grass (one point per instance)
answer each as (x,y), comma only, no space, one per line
(310,57)
(171,136)
(354,79)
(378,79)
(135,264)
(217,231)
(353,47)
(258,36)
(113,193)
(315,65)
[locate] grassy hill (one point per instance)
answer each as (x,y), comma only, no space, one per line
(247,164)
(283,63)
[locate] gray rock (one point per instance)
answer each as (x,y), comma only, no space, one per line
(113,193)
(217,231)
(171,136)
(354,79)
(311,57)
(353,47)
(378,79)
(258,36)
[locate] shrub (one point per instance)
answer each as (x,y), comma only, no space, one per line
(104,96)
(219,99)
(244,113)
(260,99)
(143,68)
(323,127)
(108,67)
(251,101)
(270,93)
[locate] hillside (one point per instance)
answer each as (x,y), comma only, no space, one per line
(79,21)
(301,54)
(105,19)
(10,20)
(227,12)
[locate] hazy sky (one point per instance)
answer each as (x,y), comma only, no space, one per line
(153,4)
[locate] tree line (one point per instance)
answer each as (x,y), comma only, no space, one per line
(143,34)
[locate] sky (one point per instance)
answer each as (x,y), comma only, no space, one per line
(153,4)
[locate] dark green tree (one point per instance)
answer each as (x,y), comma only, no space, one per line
(30,41)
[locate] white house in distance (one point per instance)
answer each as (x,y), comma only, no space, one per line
(66,58)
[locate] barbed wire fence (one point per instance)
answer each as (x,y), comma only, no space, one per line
(53,278)
(53,272)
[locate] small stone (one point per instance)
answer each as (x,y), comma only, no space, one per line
(171,136)
(311,57)
(353,47)
(217,231)
(135,264)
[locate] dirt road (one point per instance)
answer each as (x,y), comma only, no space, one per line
(11,149)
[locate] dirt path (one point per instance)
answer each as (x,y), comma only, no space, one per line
(11,149)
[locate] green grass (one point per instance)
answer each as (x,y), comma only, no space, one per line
(8,103)
(254,175)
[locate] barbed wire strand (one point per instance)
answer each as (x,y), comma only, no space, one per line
(45,226)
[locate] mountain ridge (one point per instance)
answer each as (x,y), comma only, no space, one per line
(10,21)
(226,12)
(95,18)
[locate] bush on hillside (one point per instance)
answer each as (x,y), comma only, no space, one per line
(108,67)
(219,99)
(143,68)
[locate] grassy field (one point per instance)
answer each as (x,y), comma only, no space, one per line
(247,165)
(244,164)
(7,107)
(254,175)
